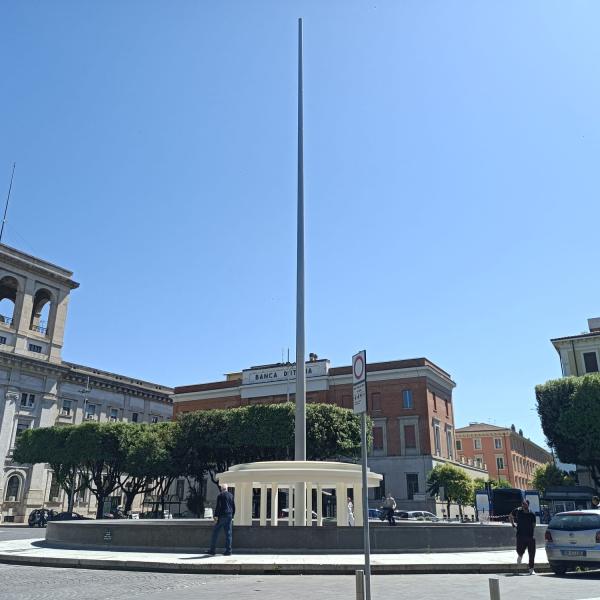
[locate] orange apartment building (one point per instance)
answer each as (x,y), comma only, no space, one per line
(506,454)
(409,401)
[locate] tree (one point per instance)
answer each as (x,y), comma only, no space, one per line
(549,475)
(456,484)
(569,411)
(52,445)
(100,448)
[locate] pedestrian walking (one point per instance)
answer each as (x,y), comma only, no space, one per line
(389,505)
(350,513)
(524,520)
(596,503)
(224,513)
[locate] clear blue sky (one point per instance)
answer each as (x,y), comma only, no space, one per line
(452,153)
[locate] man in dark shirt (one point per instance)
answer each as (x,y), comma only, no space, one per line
(525,524)
(224,513)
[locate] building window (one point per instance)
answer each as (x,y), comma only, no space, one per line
(347,401)
(377,438)
(180,489)
(114,415)
(434,402)
(376,401)
(21,427)
(410,437)
(412,485)
(477,444)
(449,444)
(437,438)
(407,399)
(500,462)
(134,418)
(498,443)
(154,419)
(27,400)
(447,410)
(458,445)
(35,348)
(2,340)
(591,362)
(13,487)
(90,412)
(66,408)
(54,494)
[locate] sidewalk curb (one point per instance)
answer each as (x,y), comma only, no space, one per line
(263,569)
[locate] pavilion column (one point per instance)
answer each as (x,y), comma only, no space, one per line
(263,505)
(319,506)
(274,504)
(245,504)
(291,506)
(308,504)
(358,505)
(341,504)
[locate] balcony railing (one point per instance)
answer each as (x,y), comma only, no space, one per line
(6,320)
(41,328)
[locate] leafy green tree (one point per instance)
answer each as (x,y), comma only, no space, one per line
(102,455)
(456,484)
(569,411)
(549,475)
(52,445)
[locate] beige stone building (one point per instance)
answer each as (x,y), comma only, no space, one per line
(39,389)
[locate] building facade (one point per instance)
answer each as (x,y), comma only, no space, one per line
(579,355)
(409,401)
(506,453)
(39,389)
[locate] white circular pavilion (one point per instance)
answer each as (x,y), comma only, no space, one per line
(275,475)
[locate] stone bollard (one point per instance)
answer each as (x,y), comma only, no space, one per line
(360,585)
(494,589)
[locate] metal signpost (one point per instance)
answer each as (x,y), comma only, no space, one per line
(359,392)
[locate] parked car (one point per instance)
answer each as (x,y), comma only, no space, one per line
(39,517)
(283,514)
(573,540)
(376,514)
(415,515)
(68,516)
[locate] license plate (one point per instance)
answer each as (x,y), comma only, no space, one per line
(573,552)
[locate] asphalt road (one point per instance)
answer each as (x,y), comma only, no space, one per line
(43,583)
(20,533)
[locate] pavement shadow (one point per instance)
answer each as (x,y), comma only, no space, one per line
(197,557)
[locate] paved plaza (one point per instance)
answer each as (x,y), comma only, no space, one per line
(41,583)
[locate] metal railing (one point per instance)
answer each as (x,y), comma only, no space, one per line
(6,320)
(43,329)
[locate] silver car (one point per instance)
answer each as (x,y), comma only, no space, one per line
(573,540)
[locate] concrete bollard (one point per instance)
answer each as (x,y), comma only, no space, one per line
(494,589)
(360,585)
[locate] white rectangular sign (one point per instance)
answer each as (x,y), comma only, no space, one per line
(359,381)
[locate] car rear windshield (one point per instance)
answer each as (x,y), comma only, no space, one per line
(579,522)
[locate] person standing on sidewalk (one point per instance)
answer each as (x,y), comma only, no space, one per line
(525,524)
(224,513)
(389,505)
(350,513)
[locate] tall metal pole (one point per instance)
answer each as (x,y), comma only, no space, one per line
(300,421)
(365,506)
(7,199)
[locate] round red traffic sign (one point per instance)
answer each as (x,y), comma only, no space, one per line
(359,366)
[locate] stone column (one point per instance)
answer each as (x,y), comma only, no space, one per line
(263,505)
(291,506)
(358,504)
(308,504)
(341,504)
(319,505)
(274,504)
(245,504)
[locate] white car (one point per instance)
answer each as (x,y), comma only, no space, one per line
(573,540)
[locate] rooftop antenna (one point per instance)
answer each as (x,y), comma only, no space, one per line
(7,200)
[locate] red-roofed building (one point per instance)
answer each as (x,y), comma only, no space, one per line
(505,453)
(410,402)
